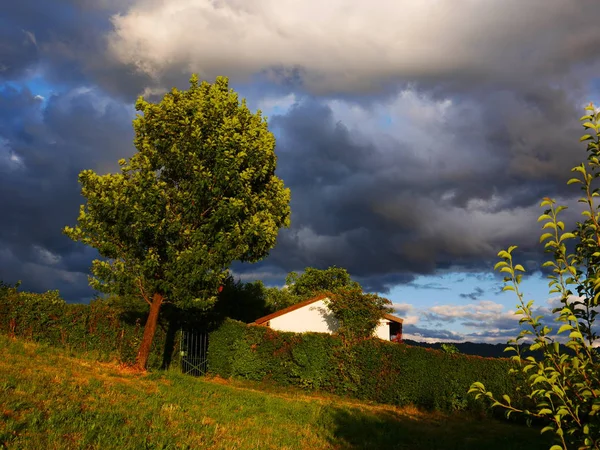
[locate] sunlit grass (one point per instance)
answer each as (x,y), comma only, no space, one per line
(49,399)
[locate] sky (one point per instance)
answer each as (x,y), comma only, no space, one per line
(417,138)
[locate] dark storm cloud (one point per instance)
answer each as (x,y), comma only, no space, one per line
(64,41)
(433,286)
(475,295)
(42,151)
(385,207)
(381,209)
(18,51)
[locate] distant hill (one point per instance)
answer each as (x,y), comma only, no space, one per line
(469,348)
(482,349)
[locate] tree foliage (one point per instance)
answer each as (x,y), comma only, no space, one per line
(358,313)
(199,193)
(311,282)
(563,387)
(241,301)
(451,349)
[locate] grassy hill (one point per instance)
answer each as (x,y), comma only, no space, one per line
(50,399)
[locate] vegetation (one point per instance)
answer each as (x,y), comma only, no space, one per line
(450,348)
(200,192)
(358,313)
(370,369)
(314,281)
(51,400)
(563,387)
(309,284)
(242,301)
(108,330)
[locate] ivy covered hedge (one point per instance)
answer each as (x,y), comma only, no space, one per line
(372,369)
(106,331)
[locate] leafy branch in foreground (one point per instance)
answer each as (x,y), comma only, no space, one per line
(563,387)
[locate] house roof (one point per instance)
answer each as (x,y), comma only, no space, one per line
(393,318)
(283,311)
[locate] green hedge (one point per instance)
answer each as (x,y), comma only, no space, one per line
(373,369)
(108,332)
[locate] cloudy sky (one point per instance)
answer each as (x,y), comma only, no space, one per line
(417,136)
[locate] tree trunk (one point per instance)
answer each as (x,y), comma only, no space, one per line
(149,331)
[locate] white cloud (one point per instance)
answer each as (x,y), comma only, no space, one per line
(483,314)
(407,312)
(45,256)
(349,43)
(9,160)
(555,302)
(251,276)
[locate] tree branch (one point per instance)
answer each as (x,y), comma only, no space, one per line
(143,292)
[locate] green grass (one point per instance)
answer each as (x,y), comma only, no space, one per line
(50,400)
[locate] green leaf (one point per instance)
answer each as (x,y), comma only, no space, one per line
(545,236)
(575,335)
(588,125)
(567,236)
(500,264)
(564,328)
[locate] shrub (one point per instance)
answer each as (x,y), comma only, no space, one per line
(370,369)
(108,332)
(221,346)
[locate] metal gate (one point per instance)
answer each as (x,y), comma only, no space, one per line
(193,350)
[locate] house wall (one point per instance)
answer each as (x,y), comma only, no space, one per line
(314,317)
(383,330)
(317,317)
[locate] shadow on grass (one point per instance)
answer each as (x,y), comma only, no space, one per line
(359,429)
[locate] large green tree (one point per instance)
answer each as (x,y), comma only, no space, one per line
(199,193)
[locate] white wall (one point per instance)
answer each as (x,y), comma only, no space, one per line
(314,317)
(383,330)
(317,317)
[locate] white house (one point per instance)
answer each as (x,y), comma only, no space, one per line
(314,315)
